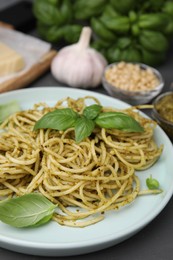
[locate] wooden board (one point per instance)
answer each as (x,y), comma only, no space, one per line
(6,25)
(32,74)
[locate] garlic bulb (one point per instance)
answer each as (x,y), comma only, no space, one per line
(78,65)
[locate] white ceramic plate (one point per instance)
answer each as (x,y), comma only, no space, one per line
(55,240)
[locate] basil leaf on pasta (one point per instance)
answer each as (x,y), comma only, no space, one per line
(118,120)
(27,210)
(83,128)
(91,112)
(59,119)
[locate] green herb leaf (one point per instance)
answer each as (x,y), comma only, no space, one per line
(43,221)
(8,109)
(46,13)
(83,128)
(118,120)
(59,119)
(27,210)
(152,184)
(91,112)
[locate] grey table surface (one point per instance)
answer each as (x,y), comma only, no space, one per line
(155,241)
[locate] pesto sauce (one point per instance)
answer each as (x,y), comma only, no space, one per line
(165,107)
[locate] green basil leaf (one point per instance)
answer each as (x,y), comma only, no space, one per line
(46,13)
(59,119)
(91,112)
(83,128)
(8,109)
(43,221)
(53,2)
(26,210)
(118,120)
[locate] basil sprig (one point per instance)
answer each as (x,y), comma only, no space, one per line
(28,210)
(62,119)
(152,183)
(91,112)
(118,120)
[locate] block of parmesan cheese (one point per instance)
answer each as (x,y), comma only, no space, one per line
(10,60)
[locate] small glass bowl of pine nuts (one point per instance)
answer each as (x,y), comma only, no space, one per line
(134,83)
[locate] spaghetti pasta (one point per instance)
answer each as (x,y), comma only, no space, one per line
(84,179)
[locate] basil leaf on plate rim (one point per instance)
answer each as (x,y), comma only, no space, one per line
(28,210)
(8,109)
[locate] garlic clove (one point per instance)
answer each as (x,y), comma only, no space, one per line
(78,65)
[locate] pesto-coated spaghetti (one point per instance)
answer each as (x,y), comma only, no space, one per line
(84,179)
